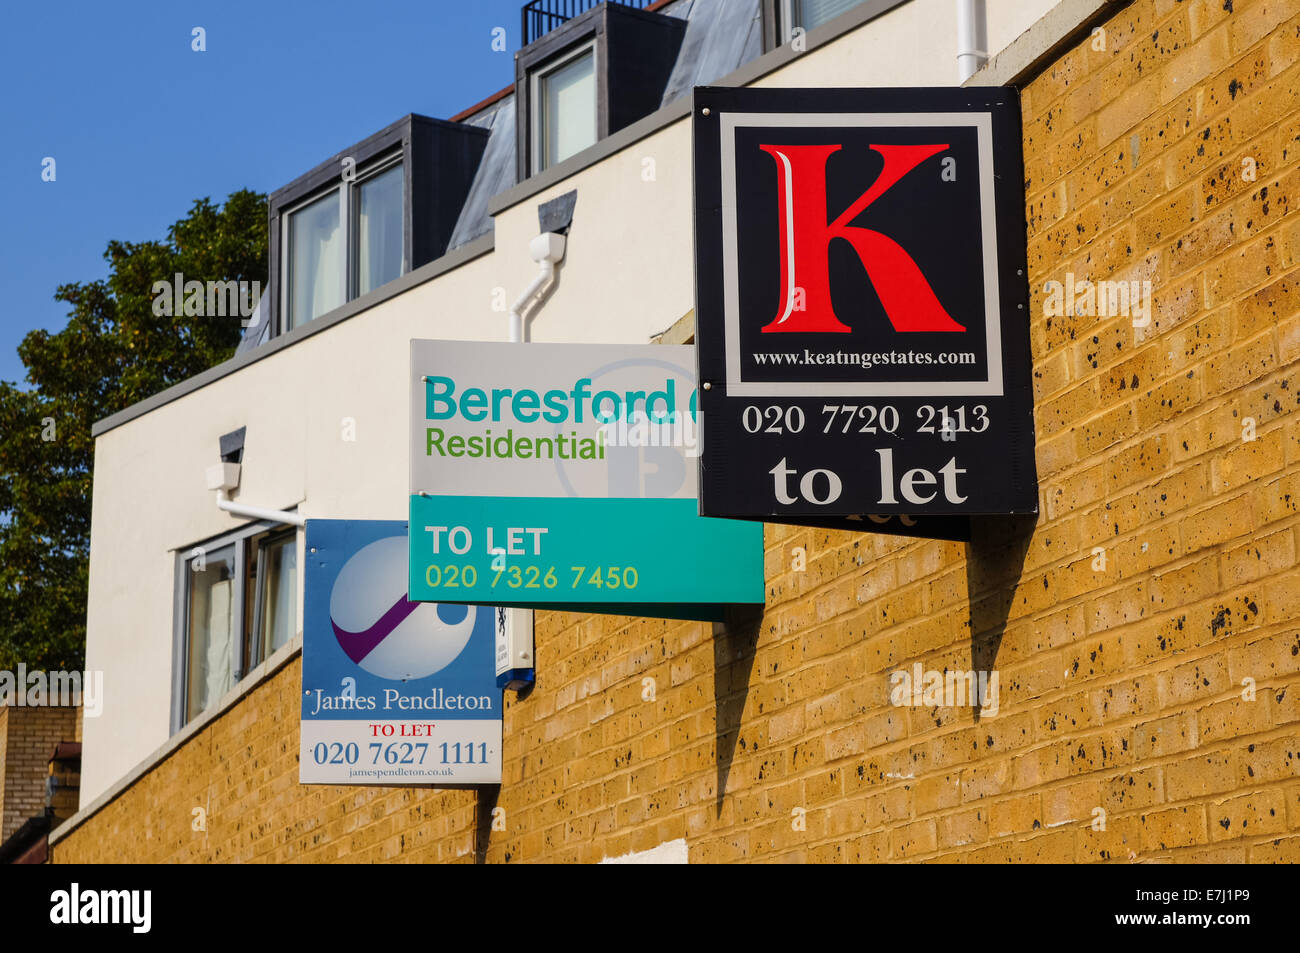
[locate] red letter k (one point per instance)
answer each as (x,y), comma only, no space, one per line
(907,297)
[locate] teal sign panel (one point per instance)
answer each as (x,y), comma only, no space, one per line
(563,551)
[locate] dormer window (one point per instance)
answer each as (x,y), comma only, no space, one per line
(564,98)
(367,216)
(805,15)
(379,253)
(324,270)
(588,78)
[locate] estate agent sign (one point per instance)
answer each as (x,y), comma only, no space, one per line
(862,306)
(394,691)
(549,475)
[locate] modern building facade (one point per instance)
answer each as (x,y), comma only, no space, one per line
(1143,627)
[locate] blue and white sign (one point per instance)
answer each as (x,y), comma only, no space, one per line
(394,691)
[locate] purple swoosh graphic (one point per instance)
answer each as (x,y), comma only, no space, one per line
(357,645)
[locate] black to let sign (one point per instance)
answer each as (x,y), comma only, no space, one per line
(861,304)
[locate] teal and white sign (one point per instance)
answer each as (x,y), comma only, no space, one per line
(550,475)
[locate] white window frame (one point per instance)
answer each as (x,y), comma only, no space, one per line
(257,638)
(785,17)
(241,539)
(353,203)
(347,198)
(286,243)
(535,77)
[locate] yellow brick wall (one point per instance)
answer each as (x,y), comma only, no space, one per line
(1126,729)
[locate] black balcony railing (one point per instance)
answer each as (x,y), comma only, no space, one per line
(540,17)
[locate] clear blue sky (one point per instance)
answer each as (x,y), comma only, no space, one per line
(140,125)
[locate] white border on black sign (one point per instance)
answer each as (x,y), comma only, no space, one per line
(736,385)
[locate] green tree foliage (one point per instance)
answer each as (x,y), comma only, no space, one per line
(113,352)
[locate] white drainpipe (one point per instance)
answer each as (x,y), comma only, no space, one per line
(969,55)
(258,512)
(223,477)
(548,250)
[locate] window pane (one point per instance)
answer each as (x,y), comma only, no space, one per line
(279,594)
(315,260)
(212,623)
(568,104)
(813,13)
(379,230)
(248,644)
